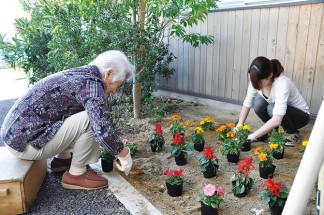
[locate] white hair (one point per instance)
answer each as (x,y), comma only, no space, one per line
(116,60)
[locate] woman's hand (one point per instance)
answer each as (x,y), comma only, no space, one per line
(125,161)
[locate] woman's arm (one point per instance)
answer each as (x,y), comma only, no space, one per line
(274,122)
(243,115)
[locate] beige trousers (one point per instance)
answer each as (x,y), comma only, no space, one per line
(75,134)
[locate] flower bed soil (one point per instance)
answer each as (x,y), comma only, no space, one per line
(147,172)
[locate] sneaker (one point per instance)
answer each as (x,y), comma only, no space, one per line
(60,165)
(87,181)
(292,139)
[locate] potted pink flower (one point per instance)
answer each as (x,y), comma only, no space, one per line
(174,182)
(210,198)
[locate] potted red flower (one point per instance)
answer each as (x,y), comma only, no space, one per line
(174,182)
(208,162)
(275,194)
(156,139)
(210,198)
(178,149)
(241,181)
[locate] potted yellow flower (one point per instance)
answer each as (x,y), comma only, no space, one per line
(277,141)
(304,144)
(198,139)
(231,148)
(207,124)
(266,168)
(242,133)
(176,126)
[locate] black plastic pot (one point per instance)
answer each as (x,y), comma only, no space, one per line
(174,189)
(106,165)
(246,146)
(199,146)
(267,172)
(233,158)
(276,209)
(210,171)
(154,148)
(278,155)
(180,159)
(208,210)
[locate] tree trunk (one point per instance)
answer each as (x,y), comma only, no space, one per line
(137,86)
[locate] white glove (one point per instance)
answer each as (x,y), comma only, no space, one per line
(252,137)
(125,163)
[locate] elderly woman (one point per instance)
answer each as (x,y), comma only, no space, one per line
(67,110)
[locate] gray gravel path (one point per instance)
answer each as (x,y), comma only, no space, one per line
(53,199)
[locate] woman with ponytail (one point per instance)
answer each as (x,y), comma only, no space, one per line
(275,100)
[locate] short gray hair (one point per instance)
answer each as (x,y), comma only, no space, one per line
(116,60)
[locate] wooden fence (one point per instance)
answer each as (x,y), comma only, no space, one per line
(293,34)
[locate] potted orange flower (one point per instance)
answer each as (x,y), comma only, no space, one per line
(210,198)
(208,162)
(222,131)
(266,168)
(275,195)
(176,126)
(156,139)
(174,182)
(231,148)
(178,149)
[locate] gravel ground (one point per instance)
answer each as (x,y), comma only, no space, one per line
(52,198)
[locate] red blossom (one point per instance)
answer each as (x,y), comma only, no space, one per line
(158,129)
(178,172)
(178,139)
(245,166)
(273,187)
(209,153)
(168,172)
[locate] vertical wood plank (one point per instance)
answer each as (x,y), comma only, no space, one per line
(263,35)
(272,33)
(291,40)
(203,59)
(282,33)
(209,60)
(245,53)
(255,28)
(301,43)
(223,53)
(237,54)
(318,86)
(311,51)
(230,54)
(186,63)
(216,53)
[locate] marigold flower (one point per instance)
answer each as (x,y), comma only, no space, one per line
(199,130)
(274,145)
(263,156)
(208,120)
(168,124)
(208,152)
(230,134)
(221,128)
(188,123)
(175,117)
(256,151)
(281,131)
(246,127)
(231,125)
(181,124)
(305,143)
(202,122)
(209,190)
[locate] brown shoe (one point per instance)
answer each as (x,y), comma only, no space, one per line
(87,181)
(60,165)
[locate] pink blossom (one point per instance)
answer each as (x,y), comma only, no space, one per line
(220,191)
(124,141)
(209,190)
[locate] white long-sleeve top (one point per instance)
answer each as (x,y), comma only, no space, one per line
(283,93)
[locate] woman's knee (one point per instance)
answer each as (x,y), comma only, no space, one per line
(259,105)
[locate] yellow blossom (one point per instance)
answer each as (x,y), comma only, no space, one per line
(274,145)
(188,123)
(202,122)
(263,156)
(199,130)
(281,131)
(181,124)
(208,120)
(230,134)
(246,127)
(168,123)
(305,143)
